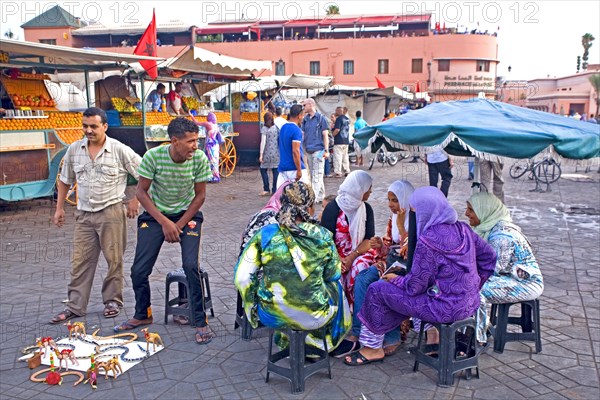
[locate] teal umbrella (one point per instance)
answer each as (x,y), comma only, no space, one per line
(487,127)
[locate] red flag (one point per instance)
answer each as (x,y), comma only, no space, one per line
(379,84)
(418,89)
(147,47)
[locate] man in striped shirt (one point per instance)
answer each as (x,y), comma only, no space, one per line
(172,189)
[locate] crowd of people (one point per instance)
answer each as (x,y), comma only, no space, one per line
(332,276)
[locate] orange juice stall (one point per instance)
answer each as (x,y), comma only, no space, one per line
(34,133)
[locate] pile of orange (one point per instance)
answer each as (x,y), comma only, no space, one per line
(65,119)
(33,101)
(54,120)
(252,117)
(69,135)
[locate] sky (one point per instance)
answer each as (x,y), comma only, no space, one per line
(536,39)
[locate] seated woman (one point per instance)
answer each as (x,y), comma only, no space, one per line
(396,234)
(450,265)
(288,274)
(517,276)
(351,221)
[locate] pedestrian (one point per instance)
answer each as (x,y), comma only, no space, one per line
(316,144)
(291,155)
(438,163)
(358,125)
(491,175)
(341,140)
(100,166)
(269,154)
(279,120)
(212,144)
(172,189)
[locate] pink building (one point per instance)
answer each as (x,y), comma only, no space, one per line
(55,26)
(565,95)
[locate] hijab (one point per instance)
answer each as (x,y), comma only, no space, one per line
(296,199)
(350,200)
(274,203)
(490,210)
(211,117)
(431,208)
(403,190)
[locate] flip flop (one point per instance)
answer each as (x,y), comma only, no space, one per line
(63,316)
(111,310)
(127,325)
(345,348)
(354,357)
(205,337)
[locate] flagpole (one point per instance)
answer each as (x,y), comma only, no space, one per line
(143,93)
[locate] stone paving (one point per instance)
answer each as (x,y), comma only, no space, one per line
(563,226)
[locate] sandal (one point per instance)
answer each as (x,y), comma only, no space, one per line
(128,325)
(356,356)
(204,335)
(111,310)
(63,316)
(345,348)
(391,349)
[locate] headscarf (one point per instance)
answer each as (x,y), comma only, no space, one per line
(274,203)
(211,117)
(490,210)
(403,190)
(431,208)
(296,199)
(349,199)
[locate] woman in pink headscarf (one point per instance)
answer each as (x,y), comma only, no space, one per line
(212,143)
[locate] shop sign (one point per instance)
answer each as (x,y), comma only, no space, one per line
(4,58)
(468,81)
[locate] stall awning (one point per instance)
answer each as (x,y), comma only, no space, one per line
(294,81)
(202,61)
(229,28)
(301,23)
(51,56)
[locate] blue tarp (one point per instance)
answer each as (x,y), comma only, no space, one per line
(489,127)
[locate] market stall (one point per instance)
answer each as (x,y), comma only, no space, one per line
(199,71)
(34,133)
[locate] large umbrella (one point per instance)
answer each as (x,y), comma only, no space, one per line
(487,127)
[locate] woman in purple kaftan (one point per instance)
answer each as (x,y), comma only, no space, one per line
(450,265)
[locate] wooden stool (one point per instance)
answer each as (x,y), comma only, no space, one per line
(297,350)
(529,321)
(447,361)
(174,306)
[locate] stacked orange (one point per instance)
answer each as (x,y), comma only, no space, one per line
(223,116)
(33,101)
(65,119)
(252,117)
(69,135)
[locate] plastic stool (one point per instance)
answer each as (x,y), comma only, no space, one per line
(298,371)
(174,306)
(446,361)
(241,321)
(529,321)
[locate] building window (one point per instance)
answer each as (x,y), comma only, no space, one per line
(443,65)
(315,68)
(280,67)
(48,41)
(417,65)
(348,67)
(383,66)
(483,66)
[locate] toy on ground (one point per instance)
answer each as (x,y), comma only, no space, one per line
(91,375)
(35,361)
(45,342)
(76,330)
(153,338)
(66,355)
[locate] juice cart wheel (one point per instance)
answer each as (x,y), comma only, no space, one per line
(228,158)
(71,197)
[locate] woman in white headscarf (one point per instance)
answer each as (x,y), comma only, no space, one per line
(351,221)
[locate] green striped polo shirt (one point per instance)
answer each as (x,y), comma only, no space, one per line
(172,188)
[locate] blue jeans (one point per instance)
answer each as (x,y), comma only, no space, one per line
(361,284)
(327,167)
(264,174)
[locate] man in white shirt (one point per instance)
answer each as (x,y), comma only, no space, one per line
(279,120)
(439,163)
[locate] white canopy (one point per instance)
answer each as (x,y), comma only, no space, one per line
(51,56)
(315,85)
(203,61)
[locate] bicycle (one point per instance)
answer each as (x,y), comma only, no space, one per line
(384,157)
(545,171)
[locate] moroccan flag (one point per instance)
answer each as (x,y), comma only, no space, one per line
(147,47)
(418,88)
(379,84)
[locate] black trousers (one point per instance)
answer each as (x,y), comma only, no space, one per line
(150,238)
(445,171)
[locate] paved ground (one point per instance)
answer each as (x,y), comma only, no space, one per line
(562,225)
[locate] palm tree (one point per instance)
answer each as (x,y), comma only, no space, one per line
(595,81)
(586,42)
(335,10)
(9,34)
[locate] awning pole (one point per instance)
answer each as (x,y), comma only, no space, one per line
(143,94)
(86,75)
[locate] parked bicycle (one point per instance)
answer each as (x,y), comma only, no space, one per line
(383,157)
(545,171)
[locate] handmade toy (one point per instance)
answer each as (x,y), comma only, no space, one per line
(45,342)
(35,361)
(66,355)
(153,338)
(76,329)
(91,375)
(53,377)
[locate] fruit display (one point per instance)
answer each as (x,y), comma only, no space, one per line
(69,135)
(252,117)
(191,102)
(33,101)
(152,118)
(122,105)
(54,120)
